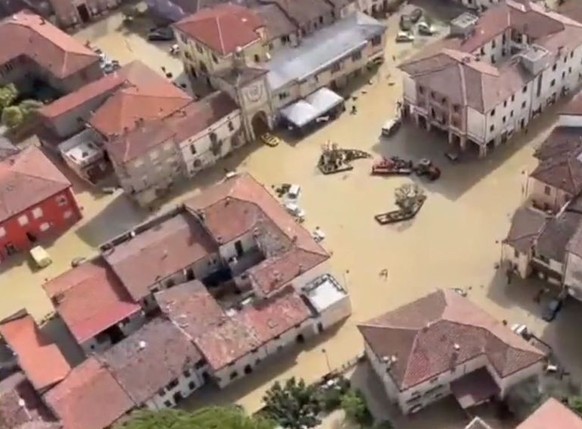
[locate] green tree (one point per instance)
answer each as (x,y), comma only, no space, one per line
(354,405)
(204,418)
(12,116)
(294,405)
(575,404)
(8,94)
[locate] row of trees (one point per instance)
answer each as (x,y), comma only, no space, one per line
(297,405)
(293,405)
(204,418)
(13,115)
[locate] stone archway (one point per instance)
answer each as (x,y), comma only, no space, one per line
(259,123)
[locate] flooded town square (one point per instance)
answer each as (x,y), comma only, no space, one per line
(454,242)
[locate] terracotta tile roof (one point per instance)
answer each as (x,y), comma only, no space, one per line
(278,24)
(563,172)
(89,398)
(90,298)
(421,336)
(561,142)
(145,96)
(226,343)
(158,252)
(52,49)
(85,94)
(191,307)
(223,339)
(303,12)
(552,414)
(223,28)
(526,226)
(241,205)
(40,359)
(572,9)
(573,107)
(557,232)
(180,125)
(14,389)
(273,317)
(150,358)
(452,68)
(26,179)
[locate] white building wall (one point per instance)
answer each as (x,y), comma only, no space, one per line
(202,156)
(546,196)
(225,376)
(335,313)
(188,382)
(569,121)
(127,327)
(308,276)
(409,88)
(573,275)
(517,259)
(228,250)
(380,369)
(421,395)
(476,123)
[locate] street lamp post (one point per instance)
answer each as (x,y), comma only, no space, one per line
(324,351)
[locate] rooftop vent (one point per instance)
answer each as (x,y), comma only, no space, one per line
(142,345)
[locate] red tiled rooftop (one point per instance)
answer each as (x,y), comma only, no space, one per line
(89,398)
(89,92)
(223,27)
(450,67)
(552,414)
(180,125)
(240,205)
(273,317)
(90,298)
(14,389)
(146,96)
(40,359)
(150,358)
(191,307)
(226,343)
(29,35)
(26,179)
(159,252)
(422,336)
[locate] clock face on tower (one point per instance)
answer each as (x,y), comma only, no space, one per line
(254,92)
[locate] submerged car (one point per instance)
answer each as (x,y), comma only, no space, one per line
(162,34)
(551,310)
(405,23)
(425,29)
(270,140)
(404,37)
(415,15)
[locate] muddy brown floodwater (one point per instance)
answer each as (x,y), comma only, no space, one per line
(453,242)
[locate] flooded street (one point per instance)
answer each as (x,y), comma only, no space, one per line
(453,242)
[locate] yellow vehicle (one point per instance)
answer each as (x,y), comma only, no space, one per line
(270,140)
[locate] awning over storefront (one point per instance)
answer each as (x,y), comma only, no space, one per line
(317,104)
(474,388)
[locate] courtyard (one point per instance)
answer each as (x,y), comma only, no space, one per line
(453,242)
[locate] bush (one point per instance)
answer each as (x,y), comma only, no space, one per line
(331,399)
(12,116)
(354,405)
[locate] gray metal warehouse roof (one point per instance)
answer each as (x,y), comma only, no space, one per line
(322,49)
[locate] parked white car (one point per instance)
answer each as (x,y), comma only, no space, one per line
(404,36)
(426,29)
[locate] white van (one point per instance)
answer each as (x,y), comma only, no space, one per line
(391,126)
